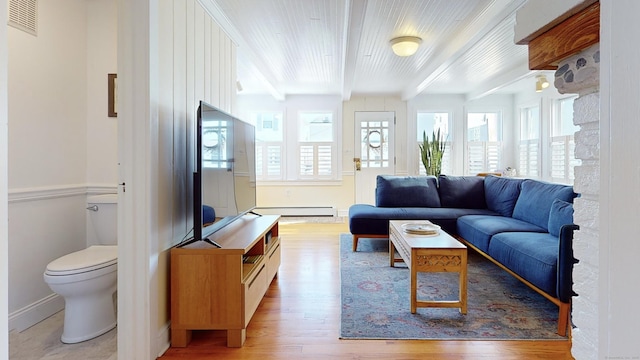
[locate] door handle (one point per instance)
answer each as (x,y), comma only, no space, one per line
(358,163)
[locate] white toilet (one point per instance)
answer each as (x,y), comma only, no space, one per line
(87,279)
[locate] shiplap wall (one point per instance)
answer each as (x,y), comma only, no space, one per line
(197,61)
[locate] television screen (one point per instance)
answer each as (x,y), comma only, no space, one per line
(225,176)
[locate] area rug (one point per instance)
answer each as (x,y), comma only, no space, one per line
(375,301)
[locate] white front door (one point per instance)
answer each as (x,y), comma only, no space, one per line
(373,151)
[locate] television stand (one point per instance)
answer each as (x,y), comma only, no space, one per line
(209,241)
(220,288)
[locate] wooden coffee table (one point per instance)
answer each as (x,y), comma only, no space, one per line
(439,253)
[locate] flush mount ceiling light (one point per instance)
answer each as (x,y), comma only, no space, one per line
(541,83)
(405,45)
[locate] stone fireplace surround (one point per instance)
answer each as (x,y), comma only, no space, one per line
(607,109)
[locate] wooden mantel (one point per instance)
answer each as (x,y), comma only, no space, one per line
(567,38)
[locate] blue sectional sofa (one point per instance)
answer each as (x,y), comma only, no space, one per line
(524,226)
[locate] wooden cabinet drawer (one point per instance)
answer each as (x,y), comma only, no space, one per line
(273,261)
(254,289)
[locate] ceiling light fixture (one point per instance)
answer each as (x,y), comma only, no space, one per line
(405,45)
(541,83)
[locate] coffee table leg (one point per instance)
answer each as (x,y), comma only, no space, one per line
(463,283)
(392,254)
(414,290)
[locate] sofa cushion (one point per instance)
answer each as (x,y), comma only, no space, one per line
(407,191)
(501,194)
(534,256)
(535,200)
(478,229)
(465,192)
(561,213)
(371,220)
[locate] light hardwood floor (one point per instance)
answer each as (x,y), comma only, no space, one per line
(299,318)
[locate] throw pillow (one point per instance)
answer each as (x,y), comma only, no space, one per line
(406,191)
(535,200)
(501,194)
(561,213)
(462,192)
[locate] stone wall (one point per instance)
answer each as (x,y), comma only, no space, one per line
(580,74)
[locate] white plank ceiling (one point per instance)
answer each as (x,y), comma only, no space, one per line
(289,47)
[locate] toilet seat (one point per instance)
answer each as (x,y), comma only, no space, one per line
(90,259)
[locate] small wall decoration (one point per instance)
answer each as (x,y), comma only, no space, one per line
(112,109)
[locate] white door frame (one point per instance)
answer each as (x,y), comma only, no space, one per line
(364,178)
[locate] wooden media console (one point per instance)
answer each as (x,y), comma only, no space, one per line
(220,288)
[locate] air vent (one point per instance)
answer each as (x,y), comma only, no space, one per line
(23,15)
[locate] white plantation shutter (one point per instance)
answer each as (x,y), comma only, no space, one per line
(562,159)
(274,161)
(529,154)
(316,160)
(476,153)
(268,161)
(494,155)
(484,156)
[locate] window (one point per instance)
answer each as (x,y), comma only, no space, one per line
(316,145)
(484,142)
(214,144)
(428,122)
(529,146)
(269,145)
(563,159)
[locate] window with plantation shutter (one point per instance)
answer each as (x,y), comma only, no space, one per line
(484,143)
(529,145)
(316,147)
(269,144)
(562,152)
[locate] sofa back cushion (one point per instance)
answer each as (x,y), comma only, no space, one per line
(407,191)
(561,213)
(534,203)
(501,194)
(463,192)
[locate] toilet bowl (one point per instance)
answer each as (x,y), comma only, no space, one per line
(87,279)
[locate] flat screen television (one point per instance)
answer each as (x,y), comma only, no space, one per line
(224,179)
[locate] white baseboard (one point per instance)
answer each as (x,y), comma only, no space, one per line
(163,339)
(297,211)
(34,313)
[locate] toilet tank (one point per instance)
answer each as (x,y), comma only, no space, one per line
(103,218)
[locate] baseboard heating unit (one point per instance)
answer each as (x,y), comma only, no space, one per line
(297,211)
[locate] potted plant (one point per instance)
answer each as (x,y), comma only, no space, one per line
(432,152)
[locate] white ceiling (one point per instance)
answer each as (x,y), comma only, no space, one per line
(289,47)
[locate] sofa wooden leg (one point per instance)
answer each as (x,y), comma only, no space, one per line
(563,318)
(355,242)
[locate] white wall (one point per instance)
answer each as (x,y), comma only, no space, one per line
(619,176)
(4,225)
(47,153)
(102,131)
(196,60)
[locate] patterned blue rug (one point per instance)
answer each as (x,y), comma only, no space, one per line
(375,301)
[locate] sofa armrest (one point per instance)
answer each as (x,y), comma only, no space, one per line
(565,263)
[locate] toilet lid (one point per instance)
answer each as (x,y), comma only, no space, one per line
(91,258)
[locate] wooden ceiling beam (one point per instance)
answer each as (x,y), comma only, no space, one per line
(569,37)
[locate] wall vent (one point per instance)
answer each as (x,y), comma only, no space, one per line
(23,15)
